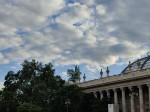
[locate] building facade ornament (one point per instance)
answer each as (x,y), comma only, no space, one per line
(138,64)
(101,73)
(128,89)
(107,71)
(129,66)
(84,78)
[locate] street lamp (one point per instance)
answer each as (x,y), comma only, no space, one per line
(67,103)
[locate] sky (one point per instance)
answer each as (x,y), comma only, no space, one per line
(92,34)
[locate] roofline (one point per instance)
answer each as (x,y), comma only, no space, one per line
(147,58)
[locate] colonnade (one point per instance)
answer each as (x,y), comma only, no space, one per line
(132,95)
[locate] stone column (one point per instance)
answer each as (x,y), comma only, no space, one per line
(132,101)
(141,98)
(123,100)
(115,96)
(108,93)
(95,95)
(149,94)
(101,95)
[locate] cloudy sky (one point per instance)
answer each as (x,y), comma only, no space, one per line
(93,34)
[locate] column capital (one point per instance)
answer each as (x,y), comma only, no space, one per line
(107,90)
(140,86)
(95,94)
(115,89)
(123,99)
(100,91)
(108,93)
(115,96)
(148,84)
(141,98)
(130,88)
(122,89)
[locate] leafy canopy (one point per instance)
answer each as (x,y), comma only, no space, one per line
(74,74)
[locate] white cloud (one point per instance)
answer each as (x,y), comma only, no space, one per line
(93,68)
(86,2)
(80,34)
(1,85)
(26,14)
(9,42)
(101,9)
(64,75)
(3,60)
(76,13)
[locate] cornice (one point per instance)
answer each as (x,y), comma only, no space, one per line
(119,79)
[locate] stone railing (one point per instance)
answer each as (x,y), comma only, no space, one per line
(116,78)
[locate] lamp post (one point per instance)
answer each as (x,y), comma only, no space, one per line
(67,103)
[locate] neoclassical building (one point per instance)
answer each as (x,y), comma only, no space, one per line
(130,89)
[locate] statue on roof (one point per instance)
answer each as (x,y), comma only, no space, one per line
(101,73)
(148,54)
(84,77)
(129,66)
(138,64)
(107,71)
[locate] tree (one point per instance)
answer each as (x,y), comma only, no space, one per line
(88,102)
(34,84)
(74,75)
(27,107)
(36,88)
(71,92)
(102,105)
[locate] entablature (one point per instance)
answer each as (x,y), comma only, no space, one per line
(126,77)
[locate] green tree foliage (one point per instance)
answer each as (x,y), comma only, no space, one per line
(101,105)
(87,103)
(34,84)
(28,107)
(74,74)
(36,88)
(92,104)
(71,92)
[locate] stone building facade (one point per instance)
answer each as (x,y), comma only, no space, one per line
(130,89)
